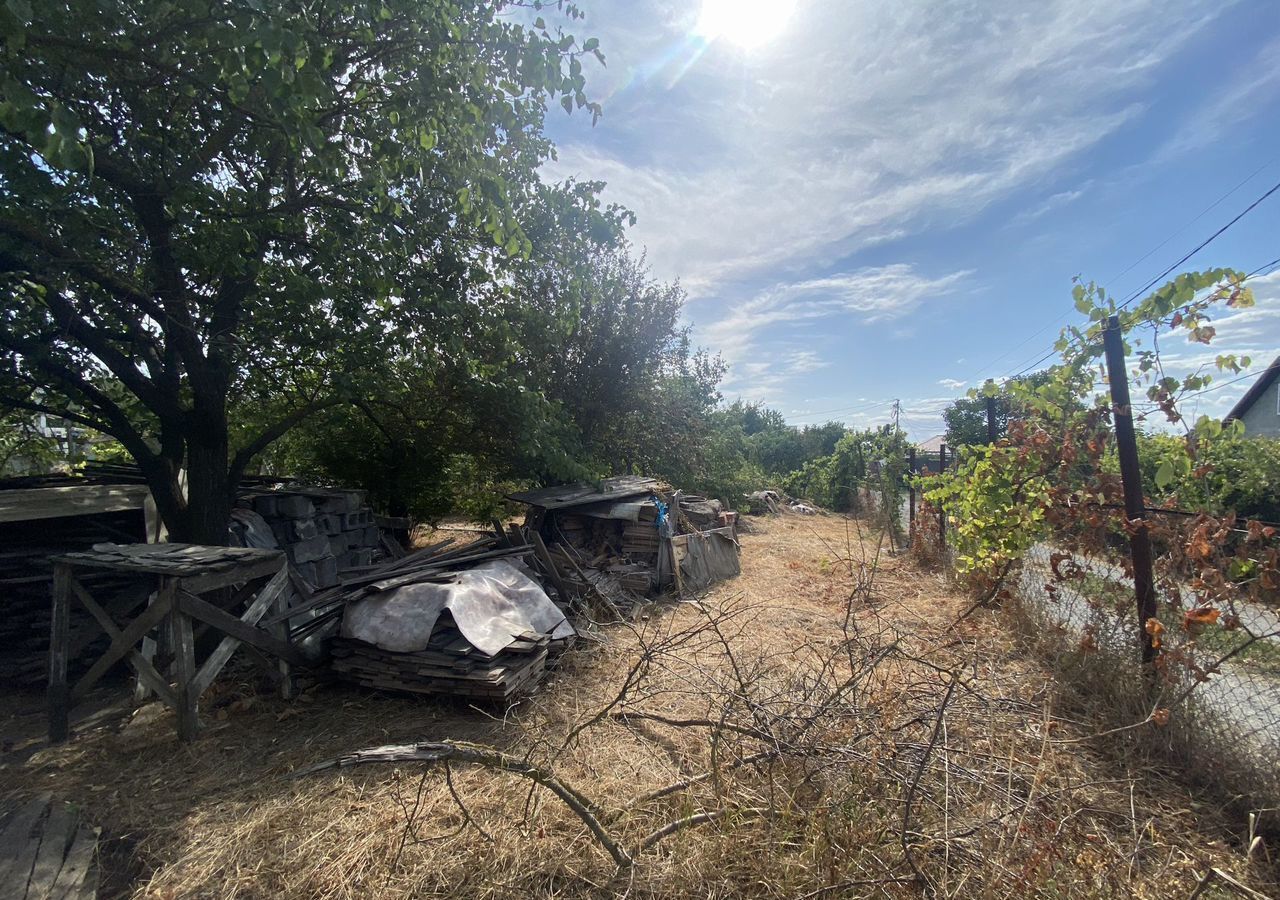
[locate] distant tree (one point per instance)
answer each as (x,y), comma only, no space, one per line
(215,215)
(966,417)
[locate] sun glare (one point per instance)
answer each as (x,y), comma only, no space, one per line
(747,23)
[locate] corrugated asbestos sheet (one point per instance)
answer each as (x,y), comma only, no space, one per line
(608,490)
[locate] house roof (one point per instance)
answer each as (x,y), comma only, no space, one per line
(1255,392)
(933,444)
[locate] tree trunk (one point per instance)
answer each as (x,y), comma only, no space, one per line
(208,492)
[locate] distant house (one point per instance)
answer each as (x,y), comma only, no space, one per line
(933,445)
(1259,408)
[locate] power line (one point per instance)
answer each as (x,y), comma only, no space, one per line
(1205,243)
(1153,250)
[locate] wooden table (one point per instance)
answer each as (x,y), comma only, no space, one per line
(182,573)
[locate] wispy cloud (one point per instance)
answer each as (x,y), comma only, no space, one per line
(872,294)
(1049,204)
(860,124)
(1255,87)
(952,383)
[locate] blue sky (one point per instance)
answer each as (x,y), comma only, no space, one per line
(889,200)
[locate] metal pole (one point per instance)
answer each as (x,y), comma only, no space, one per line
(1131,475)
(942,513)
(991,420)
(911,493)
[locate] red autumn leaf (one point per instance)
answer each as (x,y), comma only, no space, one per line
(1160,717)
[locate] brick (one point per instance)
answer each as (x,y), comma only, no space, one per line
(304,529)
(326,572)
(354,520)
(353,559)
(265,506)
(308,551)
(329,523)
(370,536)
(294,506)
(308,571)
(337,544)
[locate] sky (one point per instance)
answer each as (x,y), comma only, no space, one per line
(872,201)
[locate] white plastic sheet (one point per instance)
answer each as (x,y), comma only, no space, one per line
(491,604)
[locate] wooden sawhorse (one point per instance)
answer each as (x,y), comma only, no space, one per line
(183,572)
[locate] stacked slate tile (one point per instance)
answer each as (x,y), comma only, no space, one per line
(448,665)
(323,532)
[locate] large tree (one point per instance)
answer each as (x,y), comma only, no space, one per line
(216,215)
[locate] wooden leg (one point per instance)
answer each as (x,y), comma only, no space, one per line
(59,640)
(282,632)
(140,690)
(182,641)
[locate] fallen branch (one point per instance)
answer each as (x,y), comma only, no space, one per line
(445,751)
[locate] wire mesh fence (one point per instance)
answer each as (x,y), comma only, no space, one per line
(1209,703)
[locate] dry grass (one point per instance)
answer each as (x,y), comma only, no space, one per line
(894,755)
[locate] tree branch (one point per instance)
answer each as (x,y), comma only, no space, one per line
(274,432)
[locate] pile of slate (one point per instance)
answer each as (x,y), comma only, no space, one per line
(470,621)
(323,531)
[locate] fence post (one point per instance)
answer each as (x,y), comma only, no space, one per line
(991,420)
(942,513)
(911,494)
(1131,475)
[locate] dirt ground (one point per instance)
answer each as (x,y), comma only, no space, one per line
(814,727)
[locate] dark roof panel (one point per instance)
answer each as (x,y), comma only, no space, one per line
(567,495)
(1255,392)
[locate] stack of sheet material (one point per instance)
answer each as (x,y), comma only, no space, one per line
(485,632)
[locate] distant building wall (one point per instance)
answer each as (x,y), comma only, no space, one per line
(1262,419)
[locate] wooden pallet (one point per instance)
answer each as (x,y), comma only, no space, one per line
(46,851)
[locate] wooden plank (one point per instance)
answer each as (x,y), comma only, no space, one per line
(15,840)
(59,698)
(142,666)
(184,650)
(78,878)
(31,504)
(540,548)
(273,591)
(192,605)
(59,829)
(237,573)
(123,643)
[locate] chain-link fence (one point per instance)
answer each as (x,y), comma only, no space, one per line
(1209,703)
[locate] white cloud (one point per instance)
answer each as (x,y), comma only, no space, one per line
(871,294)
(861,123)
(1050,204)
(953,383)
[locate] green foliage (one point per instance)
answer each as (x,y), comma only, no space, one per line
(1229,473)
(995,501)
(966,417)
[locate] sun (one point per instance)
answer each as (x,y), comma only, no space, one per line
(747,23)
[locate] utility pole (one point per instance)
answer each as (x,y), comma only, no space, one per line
(897,410)
(991,420)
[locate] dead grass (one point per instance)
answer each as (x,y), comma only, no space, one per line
(940,774)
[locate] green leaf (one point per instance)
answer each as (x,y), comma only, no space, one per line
(1165,474)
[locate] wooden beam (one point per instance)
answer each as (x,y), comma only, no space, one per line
(31,504)
(266,598)
(143,666)
(122,643)
(230,625)
(184,649)
(59,637)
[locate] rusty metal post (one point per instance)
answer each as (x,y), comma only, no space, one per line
(991,420)
(1131,475)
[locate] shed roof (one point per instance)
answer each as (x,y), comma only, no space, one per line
(607,490)
(1255,392)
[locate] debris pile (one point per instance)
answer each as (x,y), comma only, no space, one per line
(628,537)
(773,502)
(469,621)
(323,531)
